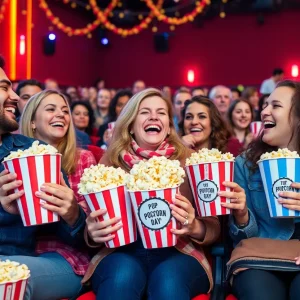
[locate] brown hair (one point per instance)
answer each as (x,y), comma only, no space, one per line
(258,147)
(121,138)
(219,132)
(249,92)
(230,112)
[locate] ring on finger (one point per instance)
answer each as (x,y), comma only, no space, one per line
(186,222)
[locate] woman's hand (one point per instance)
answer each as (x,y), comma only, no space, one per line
(60,199)
(8,197)
(237,202)
(103,231)
(184,212)
(189,140)
(291,199)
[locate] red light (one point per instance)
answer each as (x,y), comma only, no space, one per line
(295,71)
(22,44)
(191,76)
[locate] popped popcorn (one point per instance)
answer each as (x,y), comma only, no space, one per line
(35,149)
(206,155)
(155,173)
(285,152)
(99,177)
(11,271)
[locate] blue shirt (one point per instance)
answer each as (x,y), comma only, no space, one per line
(16,239)
(260,223)
(82,139)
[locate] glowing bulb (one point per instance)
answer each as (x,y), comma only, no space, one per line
(22,44)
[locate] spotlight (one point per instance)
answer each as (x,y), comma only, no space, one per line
(104,41)
(51,36)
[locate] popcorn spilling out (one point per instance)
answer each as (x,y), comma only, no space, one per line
(285,152)
(11,271)
(155,173)
(35,149)
(206,155)
(99,177)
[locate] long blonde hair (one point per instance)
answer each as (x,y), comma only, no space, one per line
(67,146)
(121,138)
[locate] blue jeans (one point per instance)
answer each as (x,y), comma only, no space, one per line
(132,272)
(51,276)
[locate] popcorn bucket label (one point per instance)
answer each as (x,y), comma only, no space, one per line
(154,217)
(13,290)
(277,176)
(117,203)
(154,213)
(283,185)
(206,181)
(34,171)
(207,190)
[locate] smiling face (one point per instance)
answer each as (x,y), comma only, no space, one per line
(242,115)
(179,100)
(278,125)
(8,105)
(80,115)
(152,123)
(222,99)
(198,123)
(25,93)
(52,120)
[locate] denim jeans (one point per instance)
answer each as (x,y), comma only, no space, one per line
(51,276)
(132,272)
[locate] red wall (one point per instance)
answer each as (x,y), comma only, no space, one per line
(229,51)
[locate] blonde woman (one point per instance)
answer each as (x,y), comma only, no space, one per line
(179,272)
(46,117)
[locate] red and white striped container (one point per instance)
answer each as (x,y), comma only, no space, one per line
(13,290)
(34,171)
(111,125)
(117,203)
(256,127)
(154,218)
(206,181)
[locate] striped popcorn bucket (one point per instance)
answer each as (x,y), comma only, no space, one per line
(13,290)
(154,218)
(117,203)
(34,171)
(255,127)
(277,175)
(206,181)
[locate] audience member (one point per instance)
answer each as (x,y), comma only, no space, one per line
(221,96)
(268,85)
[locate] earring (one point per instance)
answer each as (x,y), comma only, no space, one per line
(131,132)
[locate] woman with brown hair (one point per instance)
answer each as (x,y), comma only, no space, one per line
(203,127)
(145,129)
(252,96)
(240,116)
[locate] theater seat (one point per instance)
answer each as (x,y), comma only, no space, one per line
(97,151)
(91,296)
(94,139)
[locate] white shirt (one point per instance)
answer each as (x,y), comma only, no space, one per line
(268,86)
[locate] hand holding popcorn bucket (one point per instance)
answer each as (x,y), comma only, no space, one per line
(153,214)
(114,199)
(35,170)
(206,180)
(152,187)
(13,280)
(255,127)
(278,171)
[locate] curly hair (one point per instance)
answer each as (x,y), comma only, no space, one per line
(258,147)
(219,131)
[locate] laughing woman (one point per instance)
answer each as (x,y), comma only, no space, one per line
(203,127)
(281,116)
(145,129)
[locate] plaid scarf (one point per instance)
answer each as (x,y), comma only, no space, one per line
(137,153)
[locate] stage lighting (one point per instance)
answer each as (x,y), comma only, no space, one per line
(49,44)
(104,41)
(52,36)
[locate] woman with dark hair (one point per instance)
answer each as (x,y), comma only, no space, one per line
(83,116)
(115,107)
(251,95)
(240,116)
(203,127)
(281,118)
